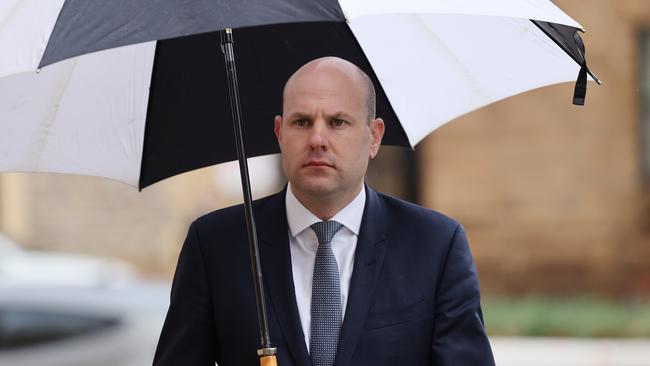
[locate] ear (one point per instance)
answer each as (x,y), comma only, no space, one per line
(277,129)
(376,134)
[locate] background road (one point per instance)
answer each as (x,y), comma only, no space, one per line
(570,352)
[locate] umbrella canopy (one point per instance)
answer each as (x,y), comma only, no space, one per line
(135,91)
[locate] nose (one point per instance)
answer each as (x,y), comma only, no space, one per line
(318,136)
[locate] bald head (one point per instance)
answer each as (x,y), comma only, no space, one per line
(324,65)
(327,133)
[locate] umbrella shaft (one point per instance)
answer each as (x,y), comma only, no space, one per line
(233,90)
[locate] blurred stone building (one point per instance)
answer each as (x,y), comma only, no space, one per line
(555,198)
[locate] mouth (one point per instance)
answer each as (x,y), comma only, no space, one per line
(317,163)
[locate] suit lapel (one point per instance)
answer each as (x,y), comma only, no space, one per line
(276,263)
(369,256)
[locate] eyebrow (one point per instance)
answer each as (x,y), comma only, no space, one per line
(342,115)
(303,115)
(298,115)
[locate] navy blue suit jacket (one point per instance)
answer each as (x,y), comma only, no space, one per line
(413,300)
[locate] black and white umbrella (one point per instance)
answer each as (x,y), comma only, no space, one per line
(137,91)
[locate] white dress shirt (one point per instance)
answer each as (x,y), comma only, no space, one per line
(303,244)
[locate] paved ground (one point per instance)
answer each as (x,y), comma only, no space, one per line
(570,352)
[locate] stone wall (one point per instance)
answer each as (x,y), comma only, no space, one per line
(551,194)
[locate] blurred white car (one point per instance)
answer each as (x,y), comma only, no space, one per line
(72,326)
(61,309)
(21,267)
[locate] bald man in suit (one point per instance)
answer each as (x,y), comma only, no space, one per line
(406,288)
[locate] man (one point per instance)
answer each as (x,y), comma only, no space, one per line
(352,276)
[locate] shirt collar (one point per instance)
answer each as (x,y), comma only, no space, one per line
(300,218)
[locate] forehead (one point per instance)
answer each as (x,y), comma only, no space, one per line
(324,84)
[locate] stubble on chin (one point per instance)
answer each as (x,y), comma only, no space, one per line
(315,187)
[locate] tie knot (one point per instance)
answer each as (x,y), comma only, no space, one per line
(325,230)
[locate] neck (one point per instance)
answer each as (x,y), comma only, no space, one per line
(326,206)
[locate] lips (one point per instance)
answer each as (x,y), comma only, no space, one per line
(317,163)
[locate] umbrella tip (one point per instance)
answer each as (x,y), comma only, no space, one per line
(596,79)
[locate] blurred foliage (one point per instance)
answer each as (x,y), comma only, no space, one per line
(566,317)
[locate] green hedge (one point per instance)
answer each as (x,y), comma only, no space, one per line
(566,317)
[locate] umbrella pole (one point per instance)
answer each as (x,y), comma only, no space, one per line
(266,352)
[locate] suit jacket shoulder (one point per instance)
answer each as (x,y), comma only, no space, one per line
(400,209)
(423,226)
(229,222)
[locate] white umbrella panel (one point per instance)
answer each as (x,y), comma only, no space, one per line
(154,108)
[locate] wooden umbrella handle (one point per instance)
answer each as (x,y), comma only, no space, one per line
(268,361)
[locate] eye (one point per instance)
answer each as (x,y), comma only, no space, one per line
(337,122)
(301,122)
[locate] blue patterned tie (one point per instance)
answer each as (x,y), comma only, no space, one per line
(326,314)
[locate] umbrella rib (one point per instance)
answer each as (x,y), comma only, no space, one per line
(9,16)
(466,71)
(54,114)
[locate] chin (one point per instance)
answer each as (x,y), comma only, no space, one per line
(315,186)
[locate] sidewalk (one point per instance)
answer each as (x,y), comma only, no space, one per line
(570,352)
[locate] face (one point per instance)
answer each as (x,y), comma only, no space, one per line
(324,133)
